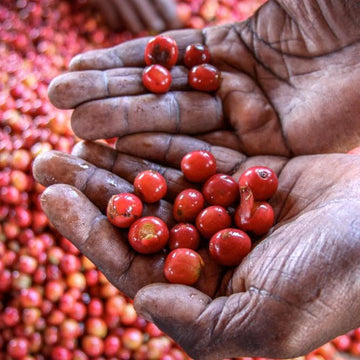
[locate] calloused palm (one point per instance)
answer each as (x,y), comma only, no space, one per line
(297,289)
(290,84)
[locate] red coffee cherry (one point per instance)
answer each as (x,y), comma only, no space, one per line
(148,235)
(221,189)
(183,266)
(150,186)
(260,221)
(157,79)
(196,54)
(262,181)
(211,220)
(198,166)
(123,209)
(184,235)
(229,246)
(204,77)
(161,50)
(187,205)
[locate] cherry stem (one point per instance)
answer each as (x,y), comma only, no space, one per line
(246,203)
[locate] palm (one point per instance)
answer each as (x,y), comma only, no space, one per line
(303,267)
(287,88)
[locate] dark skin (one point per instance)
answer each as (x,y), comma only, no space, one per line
(289,89)
(139,15)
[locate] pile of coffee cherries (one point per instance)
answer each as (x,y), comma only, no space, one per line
(161,54)
(201,216)
(54,303)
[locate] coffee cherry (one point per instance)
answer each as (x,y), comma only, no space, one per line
(161,50)
(148,235)
(262,181)
(184,235)
(260,221)
(150,186)
(123,209)
(204,77)
(157,79)
(187,205)
(211,220)
(229,246)
(183,266)
(198,166)
(221,189)
(196,54)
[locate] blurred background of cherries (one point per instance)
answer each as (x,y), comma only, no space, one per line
(54,303)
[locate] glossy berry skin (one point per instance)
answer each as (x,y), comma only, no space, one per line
(211,220)
(262,181)
(184,235)
(221,189)
(229,246)
(123,209)
(197,166)
(150,186)
(161,50)
(187,205)
(196,54)
(148,235)
(261,220)
(204,77)
(157,79)
(183,266)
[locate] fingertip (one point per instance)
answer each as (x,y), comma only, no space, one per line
(75,63)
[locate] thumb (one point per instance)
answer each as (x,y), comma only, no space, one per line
(190,317)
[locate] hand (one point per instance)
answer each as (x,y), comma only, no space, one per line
(297,289)
(139,15)
(290,84)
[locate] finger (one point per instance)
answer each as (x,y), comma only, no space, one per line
(149,15)
(204,328)
(98,185)
(109,12)
(130,53)
(173,112)
(79,220)
(168,11)
(169,149)
(224,138)
(128,16)
(74,88)
(127,166)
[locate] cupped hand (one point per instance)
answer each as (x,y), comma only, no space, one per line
(290,84)
(139,15)
(297,289)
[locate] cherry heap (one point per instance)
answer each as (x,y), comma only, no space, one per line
(161,54)
(225,215)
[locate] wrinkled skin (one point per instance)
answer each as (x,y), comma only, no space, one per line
(139,15)
(289,89)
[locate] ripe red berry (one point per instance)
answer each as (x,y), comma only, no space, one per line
(161,50)
(123,209)
(148,235)
(157,79)
(184,235)
(196,54)
(150,186)
(183,266)
(262,181)
(229,246)
(260,221)
(211,220)
(221,189)
(198,166)
(204,77)
(187,205)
